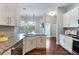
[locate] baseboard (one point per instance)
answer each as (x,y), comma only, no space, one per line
(57,43)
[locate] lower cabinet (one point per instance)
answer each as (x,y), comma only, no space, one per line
(8,52)
(29,43)
(32,42)
(41,42)
(62,40)
(66,42)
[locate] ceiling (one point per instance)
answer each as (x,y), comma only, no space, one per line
(40,8)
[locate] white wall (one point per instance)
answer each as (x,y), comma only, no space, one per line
(59,22)
(51,19)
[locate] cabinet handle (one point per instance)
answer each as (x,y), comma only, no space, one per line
(9,20)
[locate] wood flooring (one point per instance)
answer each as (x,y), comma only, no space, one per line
(51,49)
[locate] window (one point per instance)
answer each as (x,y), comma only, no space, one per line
(27,27)
(22,26)
(31,25)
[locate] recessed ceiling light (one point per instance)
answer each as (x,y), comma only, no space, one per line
(51,13)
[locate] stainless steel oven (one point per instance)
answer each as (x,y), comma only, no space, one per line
(17,49)
(76,47)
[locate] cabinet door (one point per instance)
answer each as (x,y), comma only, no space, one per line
(38,42)
(66,20)
(41,42)
(70,19)
(74,17)
(26,45)
(62,40)
(3,18)
(8,52)
(29,43)
(68,44)
(11,13)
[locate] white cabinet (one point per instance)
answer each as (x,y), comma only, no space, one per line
(74,16)
(41,42)
(11,14)
(70,19)
(66,42)
(32,42)
(29,43)
(62,40)
(66,20)
(8,14)
(3,18)
(8,52)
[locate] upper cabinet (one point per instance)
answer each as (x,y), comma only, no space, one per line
(8,14)
(70,19)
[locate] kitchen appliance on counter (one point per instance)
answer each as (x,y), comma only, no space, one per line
(76,36)
(3,37)
(70,32)
(67,32)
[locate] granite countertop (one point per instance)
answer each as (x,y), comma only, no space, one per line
(35,35)
(4,46)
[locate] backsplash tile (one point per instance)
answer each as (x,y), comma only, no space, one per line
(7,30)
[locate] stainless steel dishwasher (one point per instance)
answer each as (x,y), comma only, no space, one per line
(17,49)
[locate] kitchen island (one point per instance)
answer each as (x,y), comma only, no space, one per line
(7,45)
